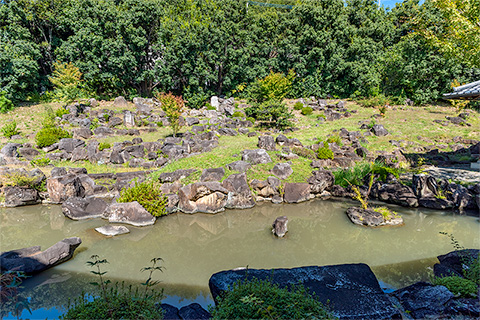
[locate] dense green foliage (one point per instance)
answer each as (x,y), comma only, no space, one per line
(307,111)
(324,152)
(148,194)
(354,175)
(195,48)
(270,114)
(257,299)
(47,136)
(5,103)
(458,285)
(10,129)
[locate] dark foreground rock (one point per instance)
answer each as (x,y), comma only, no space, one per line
(32,260)
(453,263)
(350,290)
(193,311)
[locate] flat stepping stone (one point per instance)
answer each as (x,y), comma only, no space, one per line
(110,230)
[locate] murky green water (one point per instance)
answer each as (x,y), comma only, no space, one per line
(196,246)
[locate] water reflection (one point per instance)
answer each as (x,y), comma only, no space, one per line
(196,246)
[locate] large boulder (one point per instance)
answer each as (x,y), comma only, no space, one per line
(60,188)
(453,263)
(240,166)
(256,156)
(424,186)
(177,175)
(32,260)
(10,150)
(208,197)
(350,290)
(379,130)
(19,196)
(296,192)
(69,144)
(371,218)
(240,196)
(320,181)
(128,212)
(120,102)
(77,208)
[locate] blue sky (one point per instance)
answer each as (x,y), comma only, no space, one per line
(391,3)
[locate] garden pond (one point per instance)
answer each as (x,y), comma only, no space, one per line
(193,247)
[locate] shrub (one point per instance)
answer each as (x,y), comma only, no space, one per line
(47,136)
(238,114)
(275,87)
(119,302)
(335,138)
(95,124)
(261,299)
(353,175)
(173,107)
(60,112)
(20,180)
(304,152)
(251,119)
(104,145)
(270,114)
(307,111)
(298,106)
(325,152)
(210,107)
(386,213)
(148,194)
(458,285)
(372,102)
(10,129)
(40,162)
(5,104)
(48,120)
(382,171)
(67,82)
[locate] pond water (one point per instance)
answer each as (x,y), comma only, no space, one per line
(194,247)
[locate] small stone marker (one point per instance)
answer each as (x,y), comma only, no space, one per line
(110,230)
(280,226)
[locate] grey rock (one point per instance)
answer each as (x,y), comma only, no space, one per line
(176,175)
(240,166)
(28,153)
(350,290)
(69,144)
(169,312)
(120,102)
(320,181)
(379,130)
(267,143)
(424,186)
(435,203)
(10,150)
(32,260)
(84,133)
(239,196)
(207,197)
(453,263)
(282,170)
(114,122)
(371,218)
(296,192)
(395,193)
(128,212)
(256,156)
(280,226)
(110,230)
(129,119)
(213,174)
(93,102)
(58,171)
(19,196)
(79,154)
(103,131)
(60,188)
(136,151)
(77,208)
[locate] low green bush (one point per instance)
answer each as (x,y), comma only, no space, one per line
(298,106)
(325,152)
(270,114)
(251,119)
(382,171)
(210,107)
(261,299)
(458,286)
(47,136)
(352,175)
(372,102)
(5,104)
(335,138)
(104,145)
(304,153)
(307,111)
(385,212)
(40,162)
(60,112)
(148,194)
(10,129)
(238,114)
